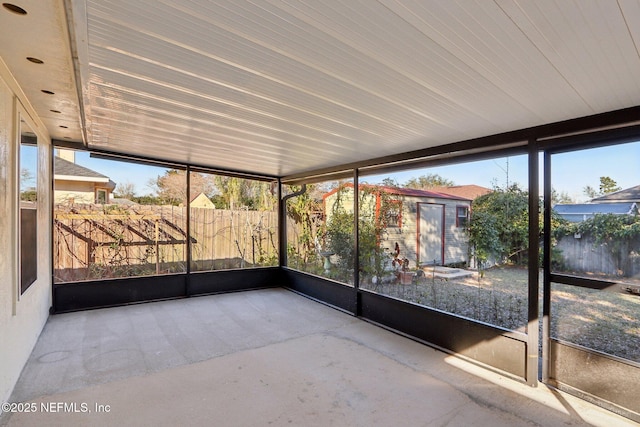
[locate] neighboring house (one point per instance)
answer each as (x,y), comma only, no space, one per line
(627,195)
(201,201)
(77,184)
(583,211)
(428,226)
(470,192)
(623,202)
(583,253)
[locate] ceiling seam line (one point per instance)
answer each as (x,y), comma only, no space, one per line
(626,23)
(535,45)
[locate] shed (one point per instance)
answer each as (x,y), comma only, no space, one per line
(429,226)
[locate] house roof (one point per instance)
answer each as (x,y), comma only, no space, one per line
(420,193)
(627,195)
(470,191)
(411,192)
(66,168)
(196,195)
(201,198)
(583,211)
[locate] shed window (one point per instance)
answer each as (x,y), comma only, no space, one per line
(462,216)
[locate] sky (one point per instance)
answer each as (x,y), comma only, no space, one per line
(571,172)
(123,172)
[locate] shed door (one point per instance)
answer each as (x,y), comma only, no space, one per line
(430,233)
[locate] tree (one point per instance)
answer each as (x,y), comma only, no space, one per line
(234,193)
(230,191)
(607,186)
(560,197)
(390,182)
(430,180)
(125,190)
(499,225)
(301,210)
(148,200)
(375,206)
(172,186)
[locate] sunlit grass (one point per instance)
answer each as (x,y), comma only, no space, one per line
(605,321)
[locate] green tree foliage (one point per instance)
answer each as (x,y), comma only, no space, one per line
(340,237)
(615,232)
(303,211)
(232,192)
(499,225)
(148,200)
(427,181)
(225,192)
(375,206)
(607,186)
(560,197)
(29,196)
(390,182)
(238,193)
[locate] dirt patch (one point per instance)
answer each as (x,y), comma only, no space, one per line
(601,320)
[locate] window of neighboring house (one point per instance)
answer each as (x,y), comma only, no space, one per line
(393,214)
(28,206)
(101,196)
(462,216)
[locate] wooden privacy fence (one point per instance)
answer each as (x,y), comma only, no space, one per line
(581,253)
(231,239)
(102,241)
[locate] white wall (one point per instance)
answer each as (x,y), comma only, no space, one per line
(22,317)
(78,191)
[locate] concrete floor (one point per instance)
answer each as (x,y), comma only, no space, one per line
(265,358)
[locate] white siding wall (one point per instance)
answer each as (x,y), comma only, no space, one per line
(456,244)
(22,317)
(456,248)
(455,238)
(79,192)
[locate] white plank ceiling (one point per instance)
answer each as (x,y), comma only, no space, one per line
(280,87)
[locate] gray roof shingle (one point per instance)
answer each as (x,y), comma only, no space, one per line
(627,195)
(65,167)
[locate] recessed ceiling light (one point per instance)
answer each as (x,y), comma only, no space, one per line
(56,111)
(48,92)
(15,9)
(64,127)
(35,60)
